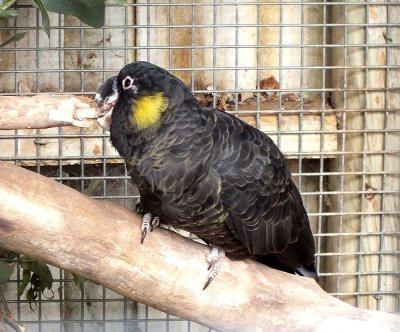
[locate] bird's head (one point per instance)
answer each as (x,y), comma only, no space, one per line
(141,93)
(146,93)
(106,98)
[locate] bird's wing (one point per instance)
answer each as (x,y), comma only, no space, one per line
(265,209)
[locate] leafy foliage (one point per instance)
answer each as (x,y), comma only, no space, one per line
(8,13)
(45,16)
(90,12)
(35,275)
(78,280)
(14,38)
(7,264)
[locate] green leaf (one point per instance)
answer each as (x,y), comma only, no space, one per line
(92,187)
(6,269)
(8,13)
(7,254)
(37,284)
(31,296)
(45,16)
(120,2)
(26,277)
(78,280)
(90,12)
(25,262)
(6,3)
(14,38)
(43,272)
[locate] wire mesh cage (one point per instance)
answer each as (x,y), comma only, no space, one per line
(321,78)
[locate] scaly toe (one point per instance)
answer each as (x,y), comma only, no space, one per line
(146,219)
(215,258)
(148,223)
(154,223)
(212,256)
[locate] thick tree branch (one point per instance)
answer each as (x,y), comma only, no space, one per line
(101,241)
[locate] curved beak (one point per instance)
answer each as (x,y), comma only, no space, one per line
(106,98)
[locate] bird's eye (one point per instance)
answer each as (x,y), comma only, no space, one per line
(127,83)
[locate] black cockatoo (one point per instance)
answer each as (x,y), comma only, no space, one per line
(206,172)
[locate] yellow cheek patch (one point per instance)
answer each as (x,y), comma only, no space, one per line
(147,110)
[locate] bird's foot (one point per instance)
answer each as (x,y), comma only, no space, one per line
(139,208)
(148,222)
(215,258)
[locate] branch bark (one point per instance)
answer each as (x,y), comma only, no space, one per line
(46,111)
(101,241)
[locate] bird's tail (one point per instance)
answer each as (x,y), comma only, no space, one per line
(304,271)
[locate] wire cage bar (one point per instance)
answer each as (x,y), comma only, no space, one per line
(321,78)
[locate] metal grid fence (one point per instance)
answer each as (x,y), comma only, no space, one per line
(321,78)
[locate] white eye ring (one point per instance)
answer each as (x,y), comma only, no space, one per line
(127,83)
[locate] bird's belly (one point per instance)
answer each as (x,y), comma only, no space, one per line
(207,220)
(212,229)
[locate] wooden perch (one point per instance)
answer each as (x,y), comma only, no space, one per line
(101,241)
(46,111)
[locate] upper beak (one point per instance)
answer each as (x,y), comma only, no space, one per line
(106,98)
(104,107)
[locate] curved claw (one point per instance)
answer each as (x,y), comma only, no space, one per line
(148,222)
(215,258)
(208,282)
(145,226)
(154,223)
(144,232)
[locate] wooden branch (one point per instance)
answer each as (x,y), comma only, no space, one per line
(46,111)
(101,241)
